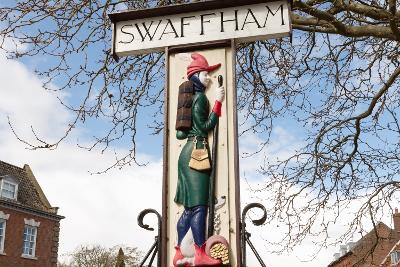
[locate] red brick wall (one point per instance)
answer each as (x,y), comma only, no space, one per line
(396,220)
(14,241)
(374,260)
(388,263)
(347,261)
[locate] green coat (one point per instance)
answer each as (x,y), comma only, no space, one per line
(193,186)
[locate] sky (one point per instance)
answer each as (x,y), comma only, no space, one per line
(102,209)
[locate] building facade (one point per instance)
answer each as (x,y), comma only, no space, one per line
(380,247)
(29,225)
(392,258)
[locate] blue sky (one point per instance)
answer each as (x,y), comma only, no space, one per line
(92,203)
(96,205)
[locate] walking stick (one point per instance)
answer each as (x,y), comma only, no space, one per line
(211,197)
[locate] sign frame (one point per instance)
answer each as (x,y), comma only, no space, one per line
(186,8)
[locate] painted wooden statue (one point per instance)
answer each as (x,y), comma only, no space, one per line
(194,122)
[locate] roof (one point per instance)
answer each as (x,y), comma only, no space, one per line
(30,193)
(368,245)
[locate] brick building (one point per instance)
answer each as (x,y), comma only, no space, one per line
(378,248)
(29,225)
(392,259)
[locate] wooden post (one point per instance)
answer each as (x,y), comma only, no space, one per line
(165,164)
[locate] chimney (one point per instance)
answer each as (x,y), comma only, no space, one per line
(396,220)
(343,250)
(350,245)
(336,256)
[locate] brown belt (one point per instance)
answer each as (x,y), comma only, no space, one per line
(199,138)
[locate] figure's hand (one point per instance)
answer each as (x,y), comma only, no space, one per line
(220,94)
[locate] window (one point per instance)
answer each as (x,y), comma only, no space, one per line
(30,233)
(3,222)
(30,236)
(2,234)
(9,187)
(395,257)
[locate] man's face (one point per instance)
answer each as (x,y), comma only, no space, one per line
(204,78)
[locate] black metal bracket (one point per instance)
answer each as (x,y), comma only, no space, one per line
(245,236)
(156,247)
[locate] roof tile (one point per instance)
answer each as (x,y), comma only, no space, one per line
(29,192)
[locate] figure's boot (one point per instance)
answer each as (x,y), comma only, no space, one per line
(202,259)
(178,256)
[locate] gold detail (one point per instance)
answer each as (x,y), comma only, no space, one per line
(220,251)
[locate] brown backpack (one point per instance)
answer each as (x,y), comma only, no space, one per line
(184,111)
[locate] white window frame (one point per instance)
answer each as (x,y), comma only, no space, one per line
(32,224)
(395,257)
(11,183)
(3,218)
(4,235)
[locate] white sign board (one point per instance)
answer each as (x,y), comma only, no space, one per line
(226,177)
(243,23)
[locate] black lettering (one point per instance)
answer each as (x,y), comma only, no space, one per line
(235,20)
(204,21)
(184,24)
(128,33)
(147,30)
(172,27)
(273,14)
(250,12)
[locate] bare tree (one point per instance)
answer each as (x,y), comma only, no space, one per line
(99,256)
(338,79)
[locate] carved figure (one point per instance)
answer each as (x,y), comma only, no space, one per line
(193,184)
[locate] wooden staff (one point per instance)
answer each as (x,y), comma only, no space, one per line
(211,198)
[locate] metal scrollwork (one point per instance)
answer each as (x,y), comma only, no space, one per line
(245,236)
(156,247)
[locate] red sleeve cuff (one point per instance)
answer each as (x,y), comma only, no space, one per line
(217,108)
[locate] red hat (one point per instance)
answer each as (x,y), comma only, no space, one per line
(198,64)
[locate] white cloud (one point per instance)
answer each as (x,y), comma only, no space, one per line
(309,253)
(282,144)
(94,205)
(27,104)
(103,208)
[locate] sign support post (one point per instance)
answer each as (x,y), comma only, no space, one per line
(165,165)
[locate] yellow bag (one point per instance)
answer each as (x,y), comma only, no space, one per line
(199,159)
